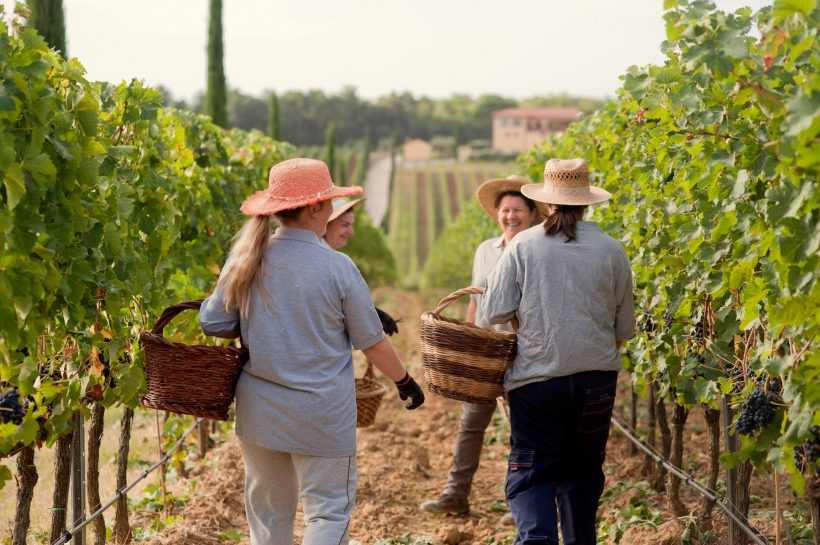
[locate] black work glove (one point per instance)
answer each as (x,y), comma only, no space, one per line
(389,325)
(408,387)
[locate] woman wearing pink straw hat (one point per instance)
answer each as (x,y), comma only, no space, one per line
(570,285)
(300,307)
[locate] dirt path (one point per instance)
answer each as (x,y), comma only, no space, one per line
(377,189)
(403,460)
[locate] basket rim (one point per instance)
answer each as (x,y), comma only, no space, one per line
(432,318)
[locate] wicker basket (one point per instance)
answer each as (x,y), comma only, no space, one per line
(189,379)
(463,361)
(369,394)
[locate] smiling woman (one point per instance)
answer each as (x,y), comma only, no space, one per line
(340,224)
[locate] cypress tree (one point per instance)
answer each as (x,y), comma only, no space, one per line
(330,147)
(48,19)
(216,93)
(274,124)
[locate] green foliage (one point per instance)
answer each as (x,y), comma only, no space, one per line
(48,19)
(713,162)
(274,120)
(369,250)
(330,148)
(216,93)
(450,264)
(110,207)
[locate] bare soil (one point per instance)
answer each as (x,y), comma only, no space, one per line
(404,457)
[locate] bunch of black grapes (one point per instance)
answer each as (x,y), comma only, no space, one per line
(805,455)
(646,324)
(11,408)
(757,412)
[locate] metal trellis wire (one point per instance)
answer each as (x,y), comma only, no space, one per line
(69,534)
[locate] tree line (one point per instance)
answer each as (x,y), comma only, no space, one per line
(305,115)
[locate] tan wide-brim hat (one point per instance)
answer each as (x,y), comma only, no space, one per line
(489,191)
(340,206)
(294,183)
(566,181)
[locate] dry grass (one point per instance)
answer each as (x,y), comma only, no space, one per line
(143,452)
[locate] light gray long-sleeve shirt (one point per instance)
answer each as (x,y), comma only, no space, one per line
(573,301)
(297,391)
(486,256)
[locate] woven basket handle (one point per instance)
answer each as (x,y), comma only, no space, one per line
(368,373)
(169,313)
(467,291)
(455,295)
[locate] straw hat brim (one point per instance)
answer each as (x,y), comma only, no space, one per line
(349,205)
(263,203)
(544,196)
(488,191)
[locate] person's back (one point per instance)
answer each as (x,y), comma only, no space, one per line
(582,285)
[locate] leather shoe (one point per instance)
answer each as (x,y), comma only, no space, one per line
(446,504)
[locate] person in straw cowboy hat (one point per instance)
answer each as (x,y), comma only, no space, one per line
(501,198)
(299,306)
(339,229)
(570,285)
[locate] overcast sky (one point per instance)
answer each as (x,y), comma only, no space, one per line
(515,48)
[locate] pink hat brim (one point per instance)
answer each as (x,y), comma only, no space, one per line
(262,203)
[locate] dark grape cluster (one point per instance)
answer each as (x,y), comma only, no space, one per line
(756,413)
(699,357)
(11,410)
(646,324)
(806,455)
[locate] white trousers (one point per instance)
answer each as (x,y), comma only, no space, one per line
(275,481)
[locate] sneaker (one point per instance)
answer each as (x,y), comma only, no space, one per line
(446,504)
(507,519)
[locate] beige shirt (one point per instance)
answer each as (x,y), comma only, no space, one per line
(573,301)
(486,256)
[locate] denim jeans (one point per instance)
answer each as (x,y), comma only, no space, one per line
(559,431)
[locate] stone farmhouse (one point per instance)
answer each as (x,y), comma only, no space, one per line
(518,129)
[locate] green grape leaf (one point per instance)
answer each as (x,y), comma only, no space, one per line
(15,185)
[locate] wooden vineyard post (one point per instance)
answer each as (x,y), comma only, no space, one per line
(122,528)
(649,462)
(679,417)
(204,437)
(62,478)
(633,419)
(26,479)
(666,440)
(731,474)
(813,496)
(712,417)
(95,432)
(78,478)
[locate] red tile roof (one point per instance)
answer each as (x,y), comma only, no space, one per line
(564,113)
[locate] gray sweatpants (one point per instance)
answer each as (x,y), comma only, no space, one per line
(275,481)
(474,421)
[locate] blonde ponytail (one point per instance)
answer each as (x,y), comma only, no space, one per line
(245,264)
